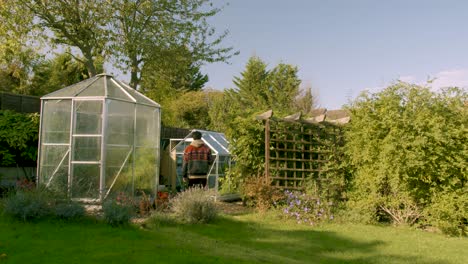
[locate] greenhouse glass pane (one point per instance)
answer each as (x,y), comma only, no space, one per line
(72,90)
(56,121)
(138,97)
(116,159)
(120,122)
(54,167)
(94,90)
(85,181)
(88,117)
(114,91)
(87,149)
(146,126)
(145,170)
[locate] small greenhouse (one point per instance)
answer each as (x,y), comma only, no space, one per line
(99,138)
(219,149)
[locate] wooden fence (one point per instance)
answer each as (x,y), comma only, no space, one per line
(20,103)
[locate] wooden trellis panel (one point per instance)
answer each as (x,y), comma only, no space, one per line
(296,151)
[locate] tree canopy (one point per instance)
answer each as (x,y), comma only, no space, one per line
(137,36)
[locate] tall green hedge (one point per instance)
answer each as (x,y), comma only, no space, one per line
(408,149)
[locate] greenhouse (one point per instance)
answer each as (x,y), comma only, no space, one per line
(222,158)
(99,138)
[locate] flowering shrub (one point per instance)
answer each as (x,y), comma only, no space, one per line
(305,208)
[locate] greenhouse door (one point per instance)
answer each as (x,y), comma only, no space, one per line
(86,149)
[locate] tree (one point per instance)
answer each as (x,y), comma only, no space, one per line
(305,101)
(17,52)
(190,110)
(78,24)
(148,33)
(257,90)
(57,73)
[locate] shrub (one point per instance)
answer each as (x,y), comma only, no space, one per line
(117,213)
(195,205)
(259,193)
(449,212)
(28,205)
(69,210)
(405,144)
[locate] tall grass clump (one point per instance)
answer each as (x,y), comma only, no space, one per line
(195,205)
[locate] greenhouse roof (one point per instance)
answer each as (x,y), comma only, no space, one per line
(101,86)
(215,140)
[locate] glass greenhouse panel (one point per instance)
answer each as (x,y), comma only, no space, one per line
(97,88)
(119,169)
(120,122)
(56,121)
(70,91)
(145,170)
(113,91)
(85,181)
(54,167)
(145,126)
(87,149)
(88,117)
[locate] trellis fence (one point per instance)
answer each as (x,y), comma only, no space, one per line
(297,149)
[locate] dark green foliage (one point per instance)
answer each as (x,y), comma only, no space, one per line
(57,73)
(257,90)
(117,213)
(69,210)
(18,138)
(195,205)
(406,146)
(28,205)
(449,212)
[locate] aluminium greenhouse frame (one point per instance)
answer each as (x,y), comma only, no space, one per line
(91,154)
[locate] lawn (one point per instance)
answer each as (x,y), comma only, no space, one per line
(245,238)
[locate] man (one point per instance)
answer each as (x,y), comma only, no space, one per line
(197,161)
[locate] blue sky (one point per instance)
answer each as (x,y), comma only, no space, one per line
(343,47)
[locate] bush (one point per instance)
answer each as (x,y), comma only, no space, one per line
(405,144)
(117,213)
(449,212)
(259,193)
(69,210)
(195,205)
(28,205)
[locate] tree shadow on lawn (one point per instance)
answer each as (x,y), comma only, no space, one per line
(260,243)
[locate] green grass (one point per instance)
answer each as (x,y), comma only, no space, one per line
(249,238)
